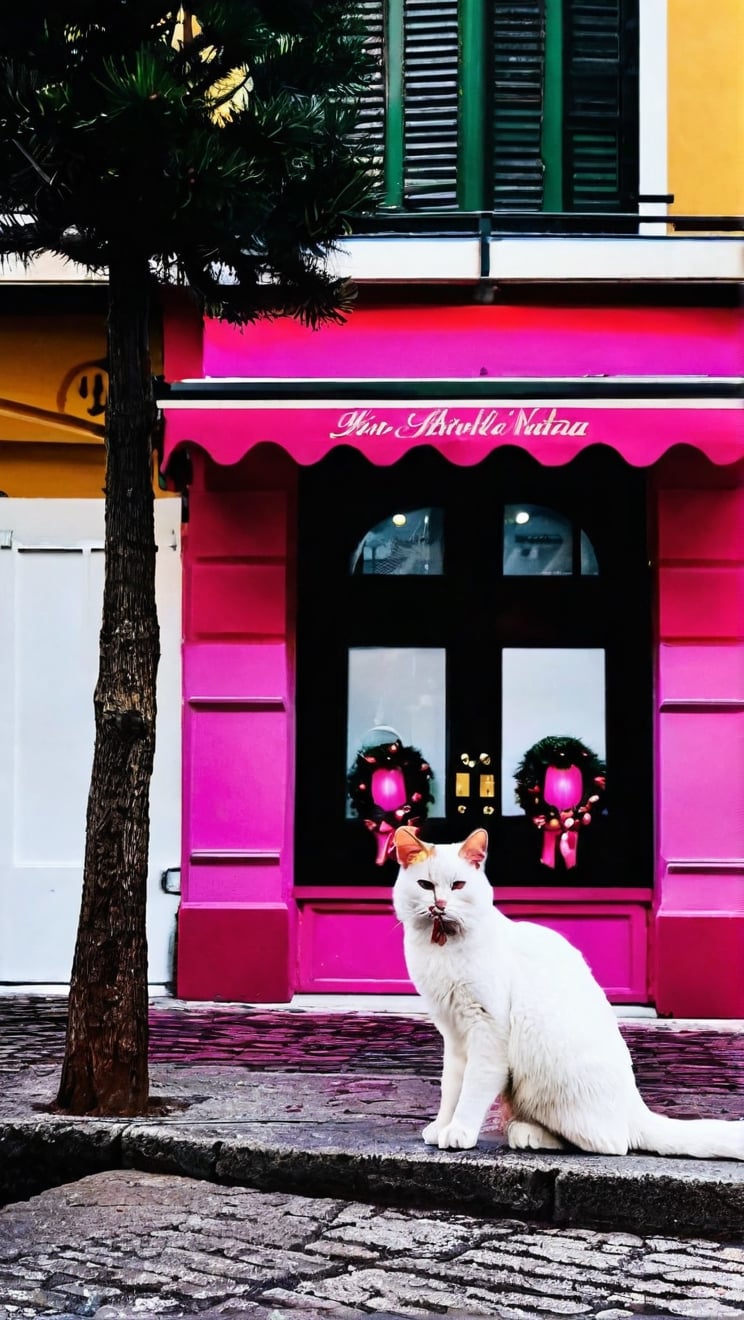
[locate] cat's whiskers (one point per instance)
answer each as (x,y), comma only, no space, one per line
(431,916)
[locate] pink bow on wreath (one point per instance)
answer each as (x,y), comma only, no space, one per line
(385,835)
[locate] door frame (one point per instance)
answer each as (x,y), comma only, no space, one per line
(343,497)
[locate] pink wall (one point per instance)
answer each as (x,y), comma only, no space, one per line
(236,922)
(238,937)
(407,341)
(462,343)
(699,943)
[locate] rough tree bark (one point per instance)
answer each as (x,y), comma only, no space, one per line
(105,1067)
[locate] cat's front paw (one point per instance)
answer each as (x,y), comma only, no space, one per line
(455,1136)
(431,1133)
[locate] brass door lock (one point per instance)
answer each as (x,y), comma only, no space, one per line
(486,782)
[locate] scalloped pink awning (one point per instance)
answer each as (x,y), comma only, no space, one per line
(465,380)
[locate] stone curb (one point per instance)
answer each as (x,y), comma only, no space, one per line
(638,1194)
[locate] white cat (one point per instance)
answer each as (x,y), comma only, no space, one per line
(523,1018)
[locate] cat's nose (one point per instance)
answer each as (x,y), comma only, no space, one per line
(441,903)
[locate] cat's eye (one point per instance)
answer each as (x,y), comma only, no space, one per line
(458,884)
(425,884)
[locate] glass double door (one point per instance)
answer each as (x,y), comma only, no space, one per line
(474,651)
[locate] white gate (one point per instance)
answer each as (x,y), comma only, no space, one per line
(51,585)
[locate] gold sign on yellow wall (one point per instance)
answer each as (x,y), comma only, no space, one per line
(53,380)
(83,391)
(53,396)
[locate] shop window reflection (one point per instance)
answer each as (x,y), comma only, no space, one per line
(408,543)
(539,542)
(549,692)
(398,694)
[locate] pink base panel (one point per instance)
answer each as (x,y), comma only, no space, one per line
(348,946)
(235,952)
(353,943)
(612,938)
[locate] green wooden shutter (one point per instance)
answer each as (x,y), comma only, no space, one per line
(431,104)
(518,49)
(371,124)
(600,87)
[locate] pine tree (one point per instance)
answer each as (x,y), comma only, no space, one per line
(216,149)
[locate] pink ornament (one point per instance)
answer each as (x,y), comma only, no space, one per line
(569,822)
(388,789)
(586,819)
(415,797)
(563,786)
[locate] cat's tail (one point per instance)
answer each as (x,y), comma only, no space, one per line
(703,1138)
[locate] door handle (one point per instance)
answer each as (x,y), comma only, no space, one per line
(484,786)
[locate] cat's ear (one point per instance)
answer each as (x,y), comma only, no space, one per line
(474,848)
(409,847)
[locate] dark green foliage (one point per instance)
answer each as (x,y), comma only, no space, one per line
(108,145)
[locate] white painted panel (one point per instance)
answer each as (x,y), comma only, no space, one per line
(539,258)
(408,258)
(53,716)
(651,255)
(528,258)
(652,107)
(51,582)
(48,269)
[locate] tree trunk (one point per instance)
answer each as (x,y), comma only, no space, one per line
(105,1066)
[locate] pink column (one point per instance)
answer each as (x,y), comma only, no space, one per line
(235,932)
(699,940)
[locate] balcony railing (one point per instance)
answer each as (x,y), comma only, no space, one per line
(485,225)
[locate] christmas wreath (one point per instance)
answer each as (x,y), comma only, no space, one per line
(390,785)
(561,786)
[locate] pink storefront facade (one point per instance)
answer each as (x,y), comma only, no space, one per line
(289,444)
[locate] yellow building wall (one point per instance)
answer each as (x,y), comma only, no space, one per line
(53,393)
(32,470)
(706,106)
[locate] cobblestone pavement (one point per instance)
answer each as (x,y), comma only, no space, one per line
(128,1244)
(265,1089)
(687,1072)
